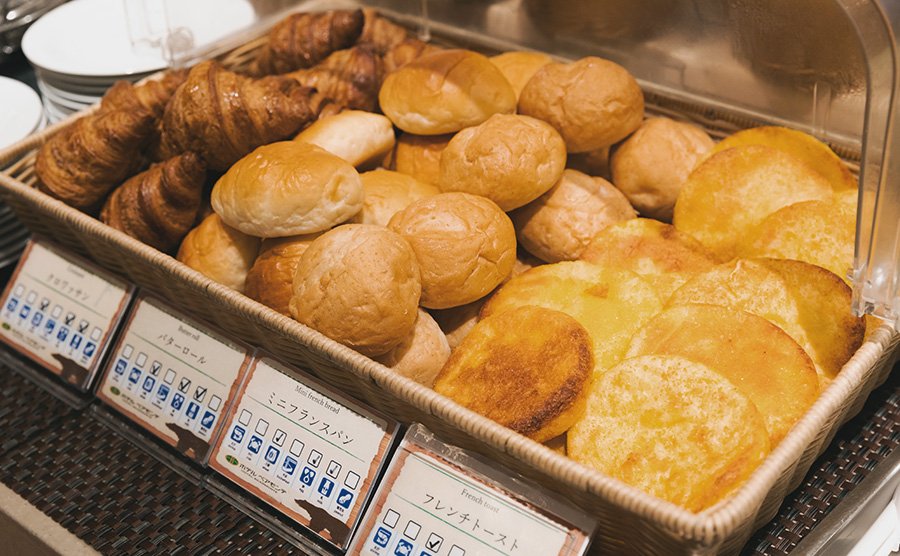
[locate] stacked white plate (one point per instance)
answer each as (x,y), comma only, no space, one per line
(20,116)
(81,48)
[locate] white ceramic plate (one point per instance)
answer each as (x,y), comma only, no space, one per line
(20,112)
(61,94)
(106,38)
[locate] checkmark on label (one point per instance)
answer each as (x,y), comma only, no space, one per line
(199,393)
(184,385)
(434,542)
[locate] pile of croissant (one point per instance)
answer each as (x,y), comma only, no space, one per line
(142,160)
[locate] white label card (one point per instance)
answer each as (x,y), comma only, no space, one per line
(174,376)
(307,450)
(429,508)
(61,311)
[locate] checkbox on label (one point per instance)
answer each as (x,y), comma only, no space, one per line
(391,518)
(262,426)
(352,480)
(412,530)
(434,542)
(456,551)
(245,417)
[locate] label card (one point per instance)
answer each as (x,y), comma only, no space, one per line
(174,376)
(430,504)
(307,450)
(61,311)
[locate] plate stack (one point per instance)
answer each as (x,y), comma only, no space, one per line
(81,48)
(15,125)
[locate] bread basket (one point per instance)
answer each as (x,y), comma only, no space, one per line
(629,521)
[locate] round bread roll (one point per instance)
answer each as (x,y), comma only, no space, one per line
(270,279)
(445,91)
(422,354)
(650,166)
(528,369)
(457,322)
(519,67)
(359,285)
(419,156)
(288,188)
(361,138)
(510,159)
(592,102)
(464,243)
(388,192)
(219,252)
(560,224)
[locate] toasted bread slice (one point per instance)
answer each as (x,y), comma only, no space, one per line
(759,358)
(527,369)
(672,428)
(807,301)
(611,303)
(735,189)
(663,255)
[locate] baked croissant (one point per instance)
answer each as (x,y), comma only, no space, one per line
(301,40)
(159,205)
(349,77)
(380,33)
(223,116)
(152,95)
(83,162)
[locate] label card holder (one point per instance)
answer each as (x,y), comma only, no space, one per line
(305,449)
(61,311)
(437,500)
(174,376)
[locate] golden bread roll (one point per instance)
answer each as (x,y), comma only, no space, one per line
(650,166)
(360,138)
(592,102)
(422,354)
(270,279)
(808,302)
(219,252)
(558,225)
(419,156)
(527,369)
(445,91)
(663,255)
(733,190)
(287,188)
(387,193)
(672,428)
(510,159)
(818,232)
(759,358)
(611,303)
(464,243)
(804,146)
(457,322)
(519,67)
(359,285)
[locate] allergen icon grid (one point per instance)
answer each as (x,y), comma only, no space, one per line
(174,377)
(304,452)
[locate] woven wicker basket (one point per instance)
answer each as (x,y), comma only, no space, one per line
(629,521)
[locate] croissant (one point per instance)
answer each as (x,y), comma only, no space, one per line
(349,77)
(83,162)
(223,116)
(152,95)
(301,40)
(159,205)
(380,33)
